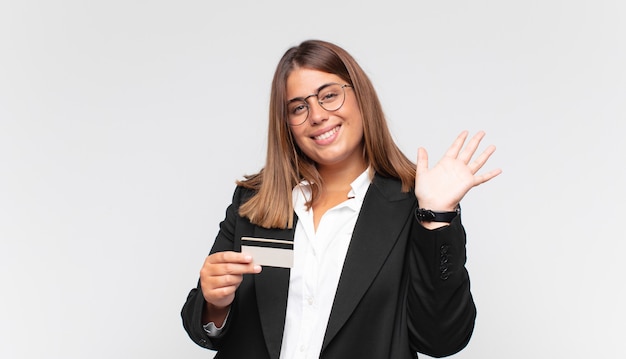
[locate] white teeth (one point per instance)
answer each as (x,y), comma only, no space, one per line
(326,135)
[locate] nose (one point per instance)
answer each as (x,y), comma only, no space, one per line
(317,113)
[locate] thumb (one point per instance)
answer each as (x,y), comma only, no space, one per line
(422,161)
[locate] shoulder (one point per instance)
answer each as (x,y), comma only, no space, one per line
(391,188)
(242,194)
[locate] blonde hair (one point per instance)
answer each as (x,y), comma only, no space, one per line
(286,165)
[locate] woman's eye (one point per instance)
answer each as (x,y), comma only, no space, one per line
(298,108)
(328,97)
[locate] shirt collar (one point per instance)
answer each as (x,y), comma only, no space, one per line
(360,185)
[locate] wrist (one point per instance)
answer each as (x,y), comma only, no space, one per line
(214,314)
(425,215)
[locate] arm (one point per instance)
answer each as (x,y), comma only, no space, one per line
(220,276)
(440,308)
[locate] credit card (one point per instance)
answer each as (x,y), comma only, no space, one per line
(269,252)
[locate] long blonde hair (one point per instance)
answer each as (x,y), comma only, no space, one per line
(286,165)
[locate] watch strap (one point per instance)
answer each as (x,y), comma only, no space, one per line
(427,215)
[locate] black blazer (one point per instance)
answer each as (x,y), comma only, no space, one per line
(403,289)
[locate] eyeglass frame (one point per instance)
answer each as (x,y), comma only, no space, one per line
(308,107)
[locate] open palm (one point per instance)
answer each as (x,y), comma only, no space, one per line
(442,187)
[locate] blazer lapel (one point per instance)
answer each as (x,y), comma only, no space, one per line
(380,221)
(272,287)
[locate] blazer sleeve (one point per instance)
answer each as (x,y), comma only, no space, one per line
(440,308)
(191,312)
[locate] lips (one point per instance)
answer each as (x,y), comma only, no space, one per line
(326,134)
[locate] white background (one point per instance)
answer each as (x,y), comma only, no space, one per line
(124,124)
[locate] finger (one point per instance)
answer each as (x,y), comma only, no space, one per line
(467,153)
(422,161)
(225,281)
(232,269)
(219,296)
(222,281)
(456,146)
(239,268)
(480,179)
(210,269)
(229,257)
(212,282)
(480,161)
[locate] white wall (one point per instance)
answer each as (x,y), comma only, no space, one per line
(115,117)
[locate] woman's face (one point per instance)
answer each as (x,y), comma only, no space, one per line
(333,139)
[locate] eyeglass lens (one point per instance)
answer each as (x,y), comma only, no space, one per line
(330,98)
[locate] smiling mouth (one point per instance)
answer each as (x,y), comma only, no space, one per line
(326,135)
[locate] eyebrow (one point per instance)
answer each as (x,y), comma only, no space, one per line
(315,93)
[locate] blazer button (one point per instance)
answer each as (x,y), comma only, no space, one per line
(444,273)
(202,342)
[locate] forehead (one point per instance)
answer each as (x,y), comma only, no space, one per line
(303,82)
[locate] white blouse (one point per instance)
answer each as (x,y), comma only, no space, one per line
(318,262)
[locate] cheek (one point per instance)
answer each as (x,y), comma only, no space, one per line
(356,126)
(297,137)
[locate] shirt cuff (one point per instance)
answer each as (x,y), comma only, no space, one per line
(212,330)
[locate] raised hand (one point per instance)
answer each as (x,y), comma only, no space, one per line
(442,187)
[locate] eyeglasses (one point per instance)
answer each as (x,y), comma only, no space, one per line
(330,97)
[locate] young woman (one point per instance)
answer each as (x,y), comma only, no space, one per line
(378,246)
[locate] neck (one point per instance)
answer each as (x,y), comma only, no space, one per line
(339,178)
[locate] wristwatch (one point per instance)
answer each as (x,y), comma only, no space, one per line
(426,215)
